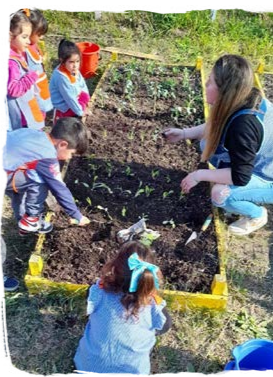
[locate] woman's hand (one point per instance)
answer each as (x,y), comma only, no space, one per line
(173,135)
(189,182)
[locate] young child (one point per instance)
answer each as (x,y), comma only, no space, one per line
(23,107)
(237,140)
(31,162)
(69,93)
(125,313)
(34,57)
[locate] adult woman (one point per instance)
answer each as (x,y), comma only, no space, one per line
(237,140)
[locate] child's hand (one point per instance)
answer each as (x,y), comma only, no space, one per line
(84,221)
(189,182)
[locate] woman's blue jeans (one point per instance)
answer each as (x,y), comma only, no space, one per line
(243,200)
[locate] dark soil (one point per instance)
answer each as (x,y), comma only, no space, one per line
(268,86)
(130,172)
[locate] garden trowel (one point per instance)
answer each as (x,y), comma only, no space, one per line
(146,236)
(195,235)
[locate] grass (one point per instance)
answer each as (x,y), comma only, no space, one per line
(43,330)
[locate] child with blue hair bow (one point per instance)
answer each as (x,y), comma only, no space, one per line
(125,315)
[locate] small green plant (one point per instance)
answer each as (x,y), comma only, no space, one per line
(176,112)
(128,171)
(250,325)
(169,222)
(168,179)
(106,211)
(109,168)
(167,193)
(148,190)
(123,211)
(101,185)
(155,173)
(181,195)
(89,201)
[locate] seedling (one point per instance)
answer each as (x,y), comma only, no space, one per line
(176,113)
(109,168)
(89,201)
(169,222)
(85,184)
(167,193)
(106,211)
(101,185)
(123,211)
(155,173)
(128,172)
(148,190)
(168,179)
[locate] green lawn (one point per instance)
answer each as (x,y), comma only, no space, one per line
(43,330)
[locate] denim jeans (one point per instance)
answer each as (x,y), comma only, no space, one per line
(30,197)
(244,200)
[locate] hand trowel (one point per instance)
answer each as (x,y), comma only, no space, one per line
(195,235)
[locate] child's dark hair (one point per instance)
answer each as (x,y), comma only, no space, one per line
(37,19)
(73,131)
(116,277)
(17,20)
(66,49)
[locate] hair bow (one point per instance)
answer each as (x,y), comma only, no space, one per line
(26,11)
(138,267)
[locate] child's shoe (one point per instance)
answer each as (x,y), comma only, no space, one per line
(30,224)
(10,284)
(247,225)
(46,227)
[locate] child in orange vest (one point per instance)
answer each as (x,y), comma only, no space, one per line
(34,57)
(23,107)
(69,92)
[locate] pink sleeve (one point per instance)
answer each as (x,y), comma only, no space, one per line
(18,86)
(83,99)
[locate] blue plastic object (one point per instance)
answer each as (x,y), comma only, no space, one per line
(255,354)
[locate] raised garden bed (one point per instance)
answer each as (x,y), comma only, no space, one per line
(130,172)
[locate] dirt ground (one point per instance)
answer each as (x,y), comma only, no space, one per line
(130,173)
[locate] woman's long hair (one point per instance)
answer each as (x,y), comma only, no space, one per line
(116,277)
(234,79)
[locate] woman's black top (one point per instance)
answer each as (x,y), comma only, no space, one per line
(243,140)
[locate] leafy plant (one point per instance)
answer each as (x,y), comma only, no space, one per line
(89,201)
(155,173)
(128,171)
(123,211)
(169,222)
(250,325)
(148,190)
(101,185)
(167,193)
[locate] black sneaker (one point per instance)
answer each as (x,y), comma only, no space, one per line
(10,284)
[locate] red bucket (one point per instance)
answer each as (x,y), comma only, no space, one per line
(89,58)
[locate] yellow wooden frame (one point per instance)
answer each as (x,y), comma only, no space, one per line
(177,300)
